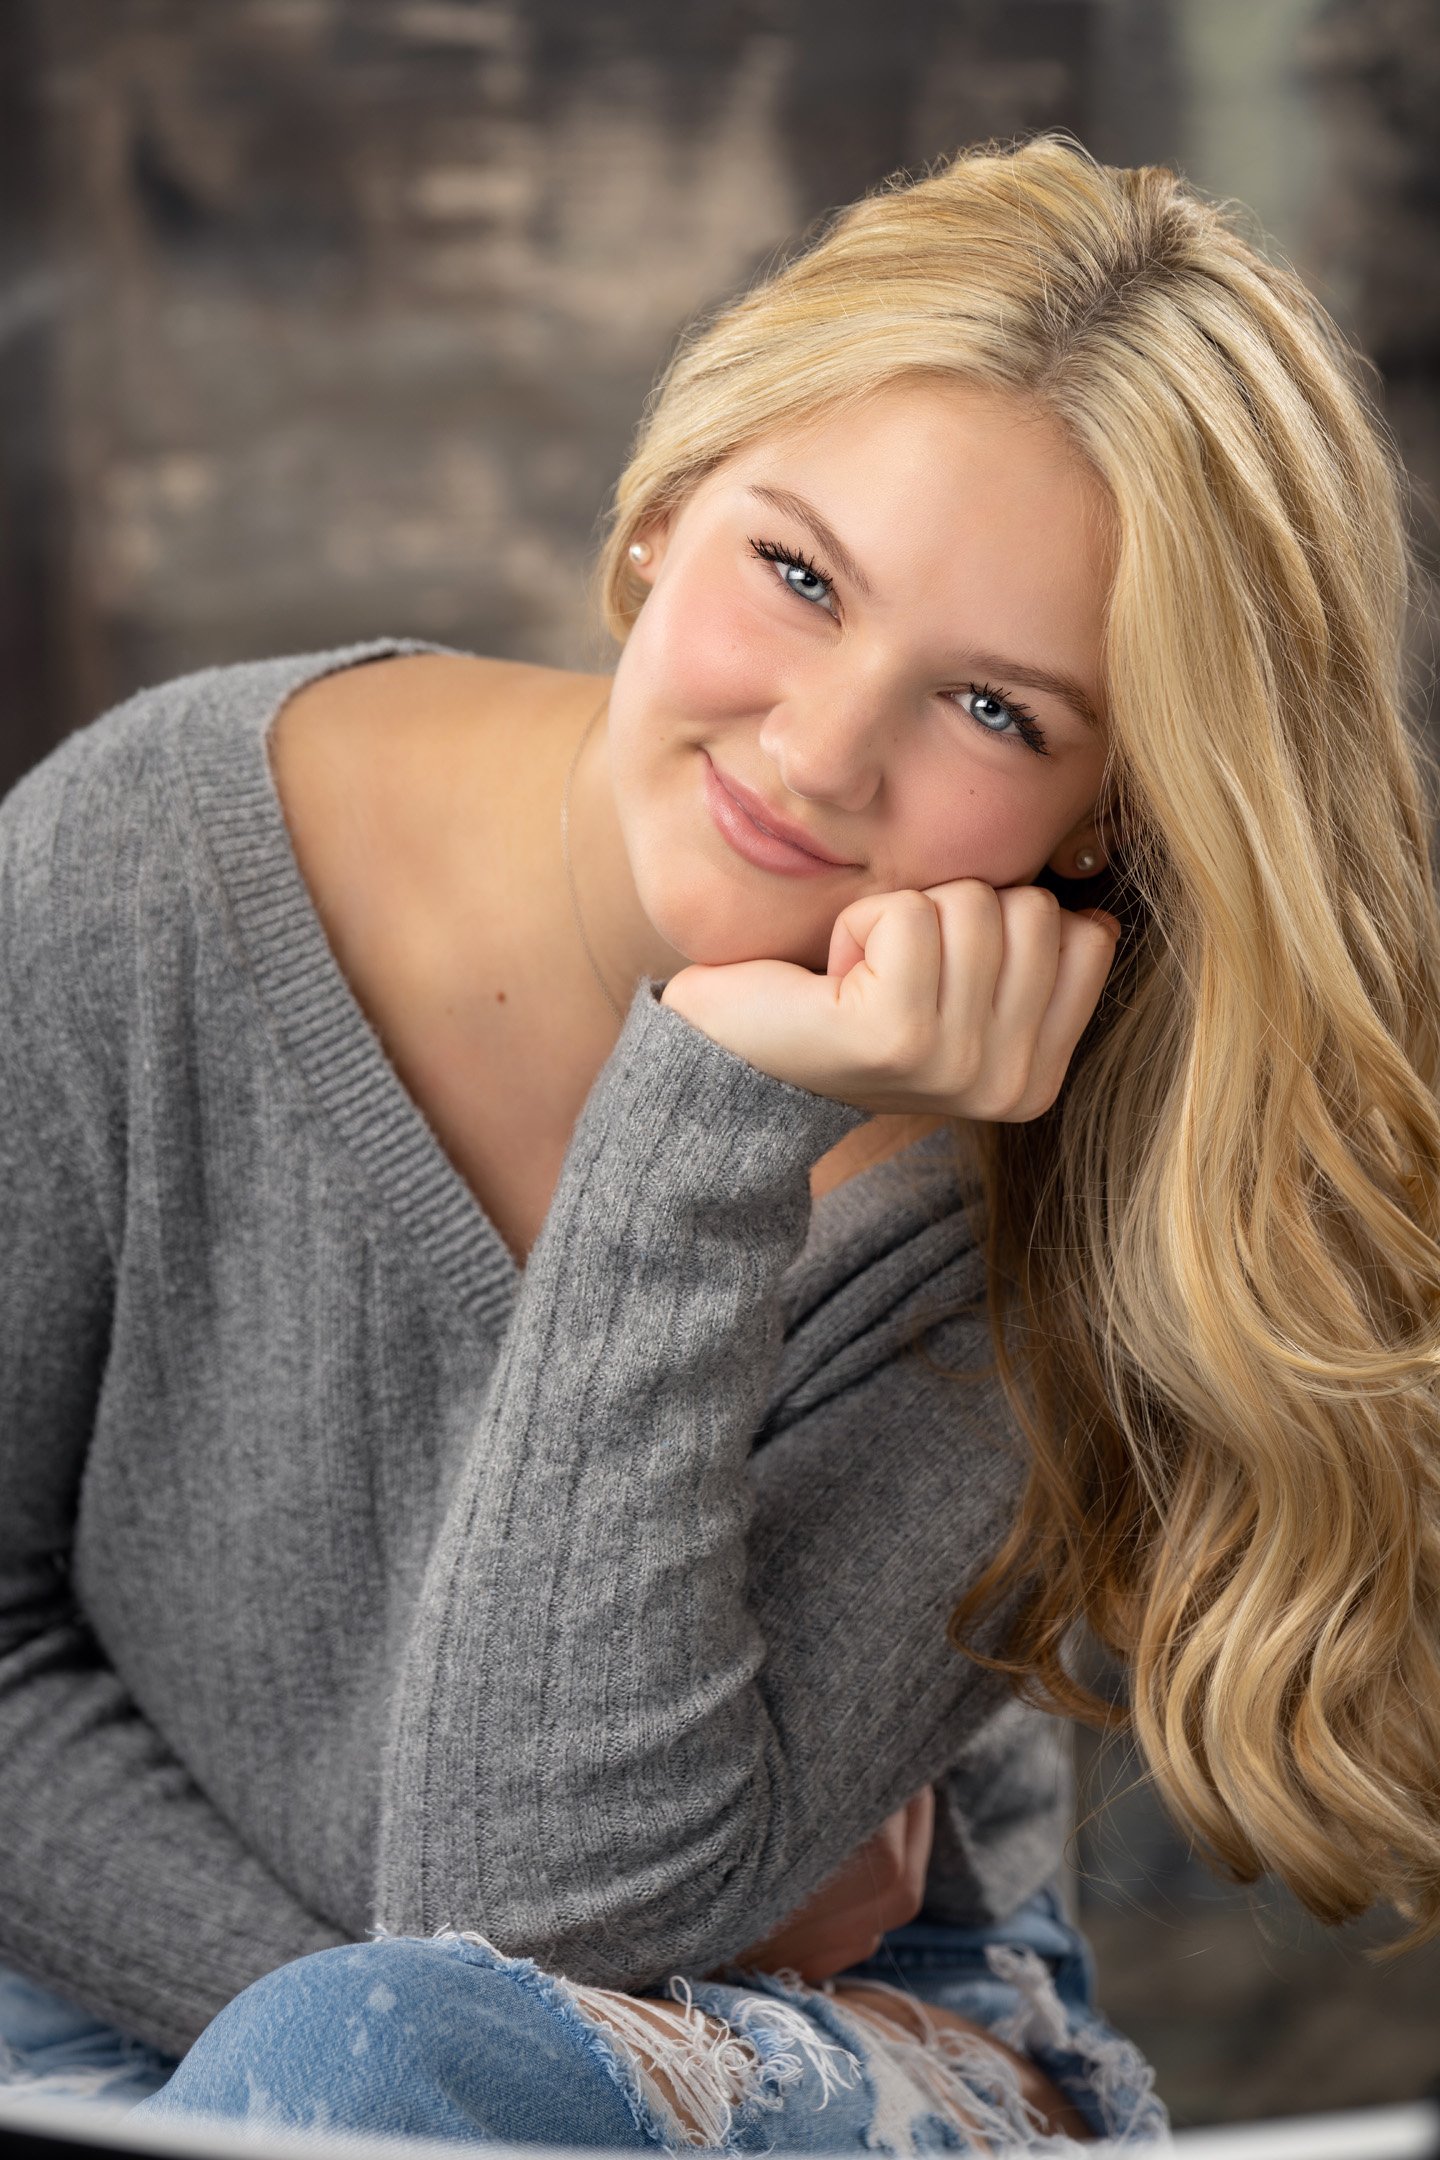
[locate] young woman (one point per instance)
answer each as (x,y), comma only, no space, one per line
(513,1178)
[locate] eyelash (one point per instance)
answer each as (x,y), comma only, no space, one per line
(1027,728)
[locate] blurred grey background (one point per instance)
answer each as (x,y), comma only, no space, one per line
(326,319)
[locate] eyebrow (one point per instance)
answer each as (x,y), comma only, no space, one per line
(796,506)
(1024,673)
(1027,676)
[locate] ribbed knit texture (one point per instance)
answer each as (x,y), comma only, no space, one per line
(352,1576)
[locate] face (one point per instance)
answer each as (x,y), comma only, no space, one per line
(915,689)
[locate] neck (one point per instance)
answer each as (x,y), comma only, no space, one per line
(496,767)
(616,939)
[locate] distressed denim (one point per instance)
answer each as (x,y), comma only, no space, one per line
(445,2037)
(49,2046)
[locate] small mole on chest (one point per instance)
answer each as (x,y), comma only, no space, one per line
(499,997)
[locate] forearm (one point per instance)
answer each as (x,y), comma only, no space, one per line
(618,1746)
(579,1737)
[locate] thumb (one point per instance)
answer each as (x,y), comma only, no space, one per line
(920,1833)
(769,1012)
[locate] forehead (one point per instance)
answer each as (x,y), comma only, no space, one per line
(941,436)
(965,507)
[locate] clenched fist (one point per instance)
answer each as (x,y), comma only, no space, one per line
(881,1886)
(961,1000)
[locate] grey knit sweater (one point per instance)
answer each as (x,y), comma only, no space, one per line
(351,1577)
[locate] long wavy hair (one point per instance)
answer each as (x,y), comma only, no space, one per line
(1214,1276)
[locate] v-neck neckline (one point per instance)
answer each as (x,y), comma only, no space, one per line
(321,1028)
(318,1023)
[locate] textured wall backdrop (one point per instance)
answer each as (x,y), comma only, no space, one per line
(321,319)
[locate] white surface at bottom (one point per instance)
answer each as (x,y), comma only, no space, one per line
(1392,2133)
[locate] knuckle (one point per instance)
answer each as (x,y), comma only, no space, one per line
(967,1060)
(1046,1081)
(898,1909)
(887,1873)
(909,900)
(1038,899)
(1011,1084)
(1045,1086)
(906,1046)
(965,1088)
(909,1902)
(1031,1105)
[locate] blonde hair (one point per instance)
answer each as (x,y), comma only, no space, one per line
(1214,1276)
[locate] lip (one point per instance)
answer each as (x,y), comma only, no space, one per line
(768,844)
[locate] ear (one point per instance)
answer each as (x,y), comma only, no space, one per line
(1064,860)
(1101,833)
(656,533)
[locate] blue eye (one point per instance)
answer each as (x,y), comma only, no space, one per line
(798,573)
(995,713)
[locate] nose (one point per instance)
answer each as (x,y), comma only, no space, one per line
(828,744)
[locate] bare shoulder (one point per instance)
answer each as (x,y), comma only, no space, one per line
(395,693)
(379,742)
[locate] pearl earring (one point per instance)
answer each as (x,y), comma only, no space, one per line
(640,551)
(1086,861)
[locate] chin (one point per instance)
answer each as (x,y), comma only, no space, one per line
(717,927)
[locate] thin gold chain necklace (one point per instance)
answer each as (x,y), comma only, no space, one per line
(565,851)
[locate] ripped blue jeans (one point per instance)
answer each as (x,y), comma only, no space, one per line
(445,2037)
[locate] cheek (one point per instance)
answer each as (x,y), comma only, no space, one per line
(978,823)
(703,654)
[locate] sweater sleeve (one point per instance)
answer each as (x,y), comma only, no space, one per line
(121,1886)
(656,1692)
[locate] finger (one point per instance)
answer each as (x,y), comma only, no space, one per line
(868,1892)
(825,1965)
(1031,962)
(1087,952)
(899,1888)
(920,1829)
(831,1938)
(891,1842)
(899,976)
(836,1951)
(974,934)
(871,1898)
(847,944)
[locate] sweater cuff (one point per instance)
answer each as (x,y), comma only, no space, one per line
(664,1065)
(677,1130)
